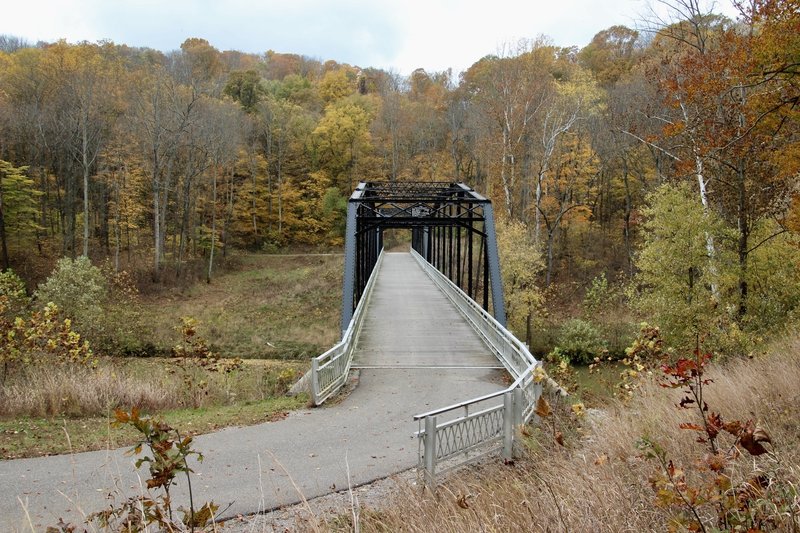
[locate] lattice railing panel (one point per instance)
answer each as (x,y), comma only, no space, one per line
(464,434)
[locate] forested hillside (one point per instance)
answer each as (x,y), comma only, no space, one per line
(663,162)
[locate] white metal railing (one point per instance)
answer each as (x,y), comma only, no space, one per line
(329,371)
(484,422)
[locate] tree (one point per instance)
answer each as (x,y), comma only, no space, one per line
(88,72)
(245,87)
(611,54)
(18,207)
(336,84)
(284,127)
(570,187)
(343,137)
(510,91)
(222,141)
(163,111)
(522,264)
(675,276)
(733,117)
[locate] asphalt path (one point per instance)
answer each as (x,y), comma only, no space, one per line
(415,353)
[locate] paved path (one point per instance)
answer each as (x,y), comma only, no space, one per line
(415,354)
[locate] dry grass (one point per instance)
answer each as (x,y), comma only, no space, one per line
(600,481)
(282,307)
(151,385)
(47,392)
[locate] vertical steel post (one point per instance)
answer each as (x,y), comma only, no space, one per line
(519,405)
(430,452)
(508,426)
(458,247)
(449,268)
(485,274)
(498,302)
(470,261)
(315,381)
(348,283)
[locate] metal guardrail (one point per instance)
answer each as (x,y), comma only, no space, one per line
(485,422)
(329,371)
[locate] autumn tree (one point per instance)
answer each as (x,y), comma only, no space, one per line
(163,111)
(245,87)
(730,121)
(89,72)
(510,91)
(18,207)
(343,139)
(675,275)
(611,54)
(522,264)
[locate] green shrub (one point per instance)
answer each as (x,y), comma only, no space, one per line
(599,296)
(579,342)
(76,286)
(13,288)
(80,290)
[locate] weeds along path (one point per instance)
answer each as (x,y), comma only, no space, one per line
(415,354)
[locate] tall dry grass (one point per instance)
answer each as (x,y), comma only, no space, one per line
(150,385)
(601,481)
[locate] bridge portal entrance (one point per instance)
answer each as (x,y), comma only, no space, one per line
(452,227)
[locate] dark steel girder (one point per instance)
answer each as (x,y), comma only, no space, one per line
(452,228)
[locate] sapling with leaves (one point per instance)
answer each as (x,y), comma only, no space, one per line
(715,498)
(193,355)
(169,454)
(41,339)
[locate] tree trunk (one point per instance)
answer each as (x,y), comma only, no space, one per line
(156,229)
(504,174)
(85,165)
(627,217)
(701,182)
(743,243)
(537,215)
(213,222)
(3,244)
(117,229)
(549,271)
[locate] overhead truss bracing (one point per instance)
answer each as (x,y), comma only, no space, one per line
(452,227)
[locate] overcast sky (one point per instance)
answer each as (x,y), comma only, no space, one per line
(398,35)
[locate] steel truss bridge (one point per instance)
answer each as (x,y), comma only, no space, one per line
(454,242)
(452,228)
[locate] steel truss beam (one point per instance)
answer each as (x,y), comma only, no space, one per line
(452,227)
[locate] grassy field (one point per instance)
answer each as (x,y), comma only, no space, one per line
(36,436)
(273,311)
(270,306)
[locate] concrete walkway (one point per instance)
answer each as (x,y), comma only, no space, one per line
(415,354)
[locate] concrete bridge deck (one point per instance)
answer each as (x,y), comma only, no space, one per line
(415,353)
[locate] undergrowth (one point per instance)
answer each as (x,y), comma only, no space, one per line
(584,472)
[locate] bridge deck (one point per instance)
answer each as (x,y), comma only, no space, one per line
(410,323)
(416,354)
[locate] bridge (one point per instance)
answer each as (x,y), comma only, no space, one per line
(425,331)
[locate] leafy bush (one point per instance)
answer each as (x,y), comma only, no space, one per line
(78,288)
(579,342)
(13,288)
(599,297)
(43,339)
(102,304)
